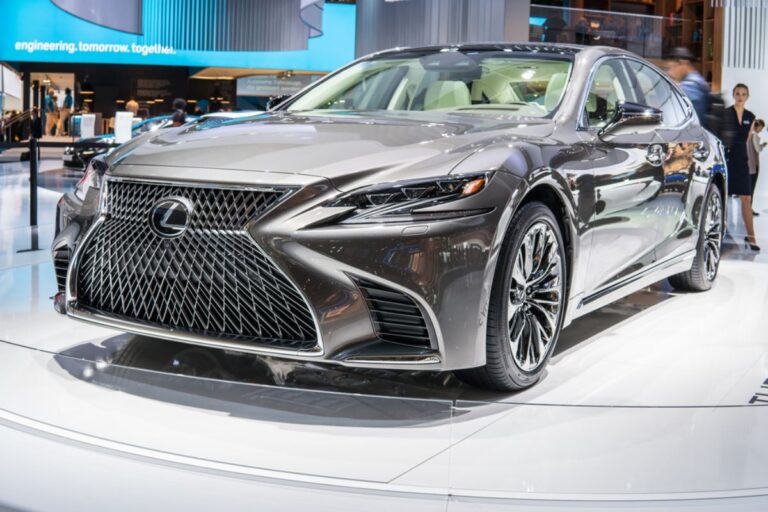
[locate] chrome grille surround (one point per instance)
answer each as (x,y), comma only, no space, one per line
(214,285)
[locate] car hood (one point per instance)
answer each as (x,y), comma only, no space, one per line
(339,146)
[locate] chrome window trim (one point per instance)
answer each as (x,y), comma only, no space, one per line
(105,320)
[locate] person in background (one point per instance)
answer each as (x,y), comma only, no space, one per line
(553,28)
(36,124)
(754,147)
(49,112)
(679,67)
(66,110)
(581,31)
(739,180)
(14,130)
(132,106)
(44,106)
(54,127)
(179,115)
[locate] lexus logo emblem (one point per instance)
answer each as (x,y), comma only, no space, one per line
(169,217)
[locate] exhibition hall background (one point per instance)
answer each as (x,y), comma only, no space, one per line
(156,50)
(231,55)
(655,402)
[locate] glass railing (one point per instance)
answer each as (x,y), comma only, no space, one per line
(648,36)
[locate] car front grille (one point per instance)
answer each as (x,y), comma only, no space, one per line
(212,281)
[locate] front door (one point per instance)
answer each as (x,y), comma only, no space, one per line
(628,178)
(680,134)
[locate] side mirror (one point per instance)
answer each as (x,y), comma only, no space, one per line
(631,119)
(276,100)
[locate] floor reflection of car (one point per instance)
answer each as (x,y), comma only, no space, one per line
(440,208)
(78,155)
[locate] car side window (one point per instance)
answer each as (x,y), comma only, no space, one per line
(653,90)
(606,91)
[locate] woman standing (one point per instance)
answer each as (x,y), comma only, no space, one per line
(739,179)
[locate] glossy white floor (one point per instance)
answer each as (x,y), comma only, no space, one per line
(655,402)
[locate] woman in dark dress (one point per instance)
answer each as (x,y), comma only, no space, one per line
(739,179)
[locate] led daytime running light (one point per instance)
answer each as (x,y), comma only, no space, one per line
(393,201)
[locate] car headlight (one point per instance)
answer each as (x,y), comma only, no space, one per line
(91,179)
(404,200)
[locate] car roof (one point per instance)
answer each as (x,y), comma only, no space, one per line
(547,48)
(570,51)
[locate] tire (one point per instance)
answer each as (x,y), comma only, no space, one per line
(707,260)
(517,317)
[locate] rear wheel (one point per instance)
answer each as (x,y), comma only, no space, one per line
(707,260)
(526,305)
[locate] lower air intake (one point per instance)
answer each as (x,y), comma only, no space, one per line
(60,266)
(396,317)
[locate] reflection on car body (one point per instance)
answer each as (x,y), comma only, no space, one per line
(78,155)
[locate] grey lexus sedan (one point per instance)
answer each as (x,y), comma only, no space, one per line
(441,208)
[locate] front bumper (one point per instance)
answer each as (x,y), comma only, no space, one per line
(444,267)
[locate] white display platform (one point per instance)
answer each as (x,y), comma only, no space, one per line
(650,403)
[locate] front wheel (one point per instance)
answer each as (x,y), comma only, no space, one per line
(707,260)
(527,303)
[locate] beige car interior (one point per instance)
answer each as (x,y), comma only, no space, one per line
(445,94)
(514,85)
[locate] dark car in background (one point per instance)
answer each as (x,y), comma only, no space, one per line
(78,155)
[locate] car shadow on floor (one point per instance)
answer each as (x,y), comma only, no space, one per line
(606,318)
(164,357)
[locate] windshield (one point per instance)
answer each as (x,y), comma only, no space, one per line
(471,81)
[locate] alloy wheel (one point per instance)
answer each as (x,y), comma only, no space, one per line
(713,235)
(535,297)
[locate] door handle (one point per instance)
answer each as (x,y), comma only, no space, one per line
(655,154)
(701,153)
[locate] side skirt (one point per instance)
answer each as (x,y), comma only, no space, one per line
(616,291)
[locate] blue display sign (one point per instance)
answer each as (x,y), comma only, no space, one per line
(177,33)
